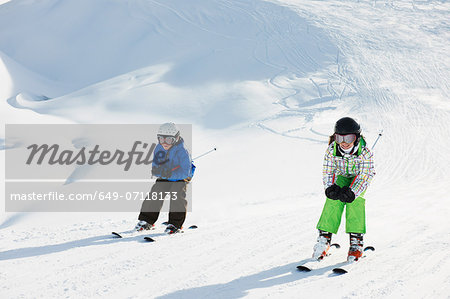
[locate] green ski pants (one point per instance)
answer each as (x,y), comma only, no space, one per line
(355,213)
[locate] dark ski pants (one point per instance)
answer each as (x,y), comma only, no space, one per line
(151,207)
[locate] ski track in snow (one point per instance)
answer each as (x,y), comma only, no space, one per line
(385,62)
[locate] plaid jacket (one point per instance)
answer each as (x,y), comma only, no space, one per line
(358,165)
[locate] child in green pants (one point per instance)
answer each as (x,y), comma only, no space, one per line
(347,172)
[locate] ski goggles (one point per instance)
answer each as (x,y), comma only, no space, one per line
(167,139)
(349,138)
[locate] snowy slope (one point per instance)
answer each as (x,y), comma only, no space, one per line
(264,81)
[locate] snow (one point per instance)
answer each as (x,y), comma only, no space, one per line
(264,82)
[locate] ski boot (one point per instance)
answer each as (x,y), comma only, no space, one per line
(322,246)
(172,229)
(355,251)
(143,225)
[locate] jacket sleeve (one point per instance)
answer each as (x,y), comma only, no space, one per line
(366,173)
(328,168)
(159,161)
(183,165)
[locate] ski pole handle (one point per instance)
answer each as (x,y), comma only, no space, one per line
(204,154)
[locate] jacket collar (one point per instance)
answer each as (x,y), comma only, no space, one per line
(356,151)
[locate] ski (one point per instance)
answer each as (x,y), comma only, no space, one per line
(312,263)
(349,265)
(150,239)
(130,232)
(124,233)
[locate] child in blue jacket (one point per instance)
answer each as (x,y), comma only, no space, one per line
(172,165)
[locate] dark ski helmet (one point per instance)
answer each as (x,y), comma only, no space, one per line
(347,125)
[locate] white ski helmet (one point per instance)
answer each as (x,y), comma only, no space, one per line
(169,129)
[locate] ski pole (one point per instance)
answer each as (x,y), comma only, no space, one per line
(379,135)
(204,154)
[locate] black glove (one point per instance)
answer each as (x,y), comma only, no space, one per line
(162,170)
(166,172)
(347,195)
(156,171)
(333,192)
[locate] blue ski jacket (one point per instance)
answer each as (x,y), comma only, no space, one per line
(174,164)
